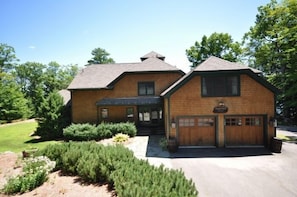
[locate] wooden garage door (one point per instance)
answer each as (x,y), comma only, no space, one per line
(196,131)
(244,131)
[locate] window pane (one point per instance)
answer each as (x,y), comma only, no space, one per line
(130,112)
(232,85)
(141,89)
(220,86)
(104,113)
(150,89)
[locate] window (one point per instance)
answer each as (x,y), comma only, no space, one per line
(220,86)
(234,121)
(146,88)
(104,113)
(186,122)
(130,112)
(253,121)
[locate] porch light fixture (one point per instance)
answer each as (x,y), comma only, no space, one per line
(172,123)
(272,122)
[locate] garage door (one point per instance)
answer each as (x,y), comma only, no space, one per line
(244,131)
(196,131)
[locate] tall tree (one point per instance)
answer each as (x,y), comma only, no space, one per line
(217,44)
(271,46)
(58,77)
(13,104)
(7,58)
(100,56)
(30,76)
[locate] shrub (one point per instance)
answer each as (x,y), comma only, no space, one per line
(120,137)
(85,132)
(117,166)
(35,173)
(80,132)
(104,130)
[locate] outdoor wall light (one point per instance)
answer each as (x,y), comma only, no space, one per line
(172,123)
(272,122)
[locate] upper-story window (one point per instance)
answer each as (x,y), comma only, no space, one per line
(217,86)
(146,88)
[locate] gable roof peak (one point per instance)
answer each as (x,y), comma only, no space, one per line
(152,54)
(217,64)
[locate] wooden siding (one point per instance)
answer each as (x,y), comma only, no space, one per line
(254,99)
(84,107)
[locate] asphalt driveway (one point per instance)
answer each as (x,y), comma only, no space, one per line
(232,172)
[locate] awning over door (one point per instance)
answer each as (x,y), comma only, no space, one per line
(147,100)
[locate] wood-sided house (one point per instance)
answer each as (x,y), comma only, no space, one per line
(123,92)
(219,103)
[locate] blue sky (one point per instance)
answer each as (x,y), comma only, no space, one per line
(67,31)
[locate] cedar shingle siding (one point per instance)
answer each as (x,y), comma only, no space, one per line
(179,102)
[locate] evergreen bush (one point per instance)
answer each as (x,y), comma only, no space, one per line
(80,132)
(117,166)
(86,131)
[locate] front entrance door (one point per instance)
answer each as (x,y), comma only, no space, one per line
(150,115)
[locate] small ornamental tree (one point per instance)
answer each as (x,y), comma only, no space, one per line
(54,117)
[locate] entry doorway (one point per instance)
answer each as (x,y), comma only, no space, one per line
(150,115)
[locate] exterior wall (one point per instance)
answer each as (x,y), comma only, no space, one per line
(255,99)
(84,107)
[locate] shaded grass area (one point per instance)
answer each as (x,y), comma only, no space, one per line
(17,137)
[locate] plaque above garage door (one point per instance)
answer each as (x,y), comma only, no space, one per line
(197,131)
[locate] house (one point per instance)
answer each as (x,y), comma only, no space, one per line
(123,92)
(222,104)
(218,104)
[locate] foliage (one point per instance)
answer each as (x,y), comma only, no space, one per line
(271,46)
(7,58)
(30,77)
(163,143)
(53,117)
(100,56)
(13,104)
(120,138)
(81,132)
(35,171)
(217,44)
(18,137)
(117,166)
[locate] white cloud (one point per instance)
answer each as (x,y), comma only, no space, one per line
(32,47)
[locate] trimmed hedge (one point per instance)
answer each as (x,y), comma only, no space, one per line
(87,132)
(117,166)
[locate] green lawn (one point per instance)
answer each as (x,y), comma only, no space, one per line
(16,137)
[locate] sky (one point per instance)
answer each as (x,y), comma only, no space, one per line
(66,31)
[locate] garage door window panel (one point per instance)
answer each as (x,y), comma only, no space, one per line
(236,121)
(186,122)
(253,121)
(206,122)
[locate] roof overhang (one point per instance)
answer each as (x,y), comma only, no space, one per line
(145,100)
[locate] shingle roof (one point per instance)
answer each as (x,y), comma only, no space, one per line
(66,96)
(152,54)
(99,76)
(217,64)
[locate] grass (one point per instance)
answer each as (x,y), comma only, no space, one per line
(16,137)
